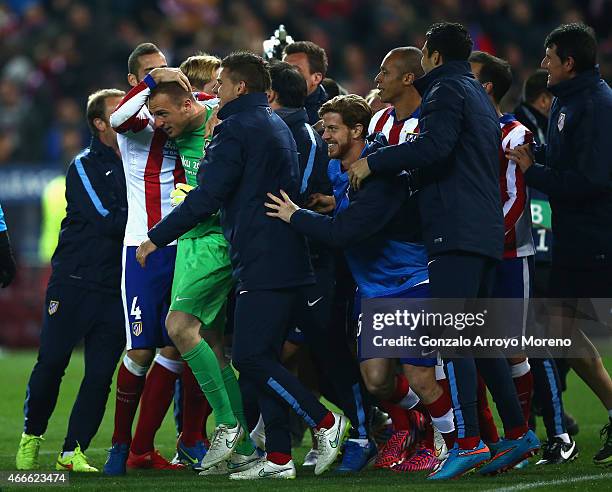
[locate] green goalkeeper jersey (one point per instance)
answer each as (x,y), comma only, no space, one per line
(191,146)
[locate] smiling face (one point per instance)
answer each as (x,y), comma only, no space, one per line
(170,115)
(558,70)
(337,135)
(226,89)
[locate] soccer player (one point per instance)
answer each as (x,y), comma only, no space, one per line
(202,282)
(83,300)
(311,60)
(252,151)
(286,97)
(395,85)
(457,147)
(515,274)
(382,250)
(152,169)
(574,170)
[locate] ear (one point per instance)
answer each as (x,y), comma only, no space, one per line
(488,87)
(408,78)
(242,88)
(437,58)
(317,77)
(100,124)
(357,131)
(132,80)
(569,64)
(271,96)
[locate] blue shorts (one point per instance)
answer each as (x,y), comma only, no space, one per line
(146,297)
(420,291)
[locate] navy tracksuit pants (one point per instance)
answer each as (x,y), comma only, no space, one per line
(459,275)
(74,314)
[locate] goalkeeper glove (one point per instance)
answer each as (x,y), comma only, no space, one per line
(179,193)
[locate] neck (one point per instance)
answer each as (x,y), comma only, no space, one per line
(407,105)
(353,154)
(498,109)
(197,118)
(110,141)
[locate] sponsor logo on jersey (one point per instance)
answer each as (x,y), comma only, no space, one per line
(137,328)
(53,306)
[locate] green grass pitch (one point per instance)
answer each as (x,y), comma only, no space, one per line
(15,369)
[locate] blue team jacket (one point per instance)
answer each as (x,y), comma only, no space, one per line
(377,226)
(251,153)
(457,151)
(577,170)
(88,253)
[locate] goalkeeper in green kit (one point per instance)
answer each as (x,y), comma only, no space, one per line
(202,282)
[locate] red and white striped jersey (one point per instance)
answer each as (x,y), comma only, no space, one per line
(515,196)
(151,162)
(396,131)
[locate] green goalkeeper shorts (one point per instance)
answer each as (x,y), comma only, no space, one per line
(202,279)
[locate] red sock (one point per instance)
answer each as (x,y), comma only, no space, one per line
(401,389)
(468,442)
(524,390)
(194,408)
(326,423)
(515,432)
(488,430)
(399,415)
(129,389)
(439,409)
(278,458)
(154,404)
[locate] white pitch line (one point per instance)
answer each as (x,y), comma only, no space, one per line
(535,485)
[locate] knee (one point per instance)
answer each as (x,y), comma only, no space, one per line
(144,358)
(423,381)
(377,382)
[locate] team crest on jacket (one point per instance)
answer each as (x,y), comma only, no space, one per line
(53,305)
(137,328)
(561,121)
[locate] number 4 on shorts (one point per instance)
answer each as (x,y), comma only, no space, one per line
(135,311)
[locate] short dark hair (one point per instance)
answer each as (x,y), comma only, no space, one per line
(96,106)
(450,39)
(173,90)
(140,50)
(353,109)
(577,41)
(289,84)
(494,70)
(333,88)
(535,85)
(317,58)
(249,68)
(410,59)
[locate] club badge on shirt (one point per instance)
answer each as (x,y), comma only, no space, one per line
(561,121)
(53,305)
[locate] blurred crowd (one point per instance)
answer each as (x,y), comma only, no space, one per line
(55,52)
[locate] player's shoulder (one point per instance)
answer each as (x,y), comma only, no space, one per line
(515,133)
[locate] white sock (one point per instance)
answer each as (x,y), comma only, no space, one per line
(362,442)
(135,369)
(520,369)
(175,366)
(446,423)
(564,437)
(409,401)
(67,454)
(259,432)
